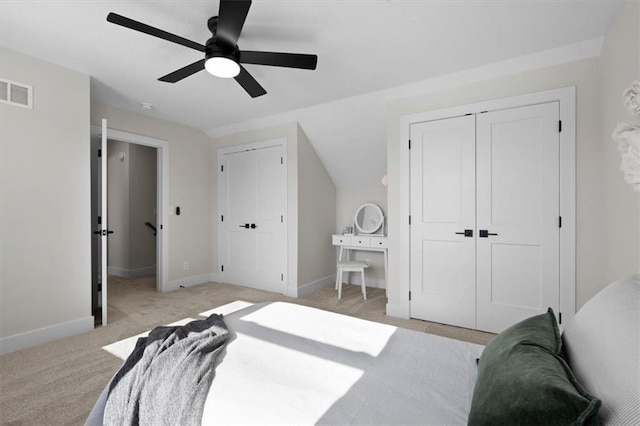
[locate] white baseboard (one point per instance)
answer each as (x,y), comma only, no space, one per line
(117,272)
(44,335)
(131,273)
(142,272)
(188,282)
(315,285)
(396,310)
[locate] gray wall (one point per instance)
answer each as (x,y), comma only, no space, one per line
(620,67)
(142,208)
(118,207)
(131,199)
(45,246)
(316,215)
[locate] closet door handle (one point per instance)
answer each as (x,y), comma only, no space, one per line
(253,226)
(484,233)
(466,233)
(246,225)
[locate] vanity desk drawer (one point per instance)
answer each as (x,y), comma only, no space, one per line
(360,241)
(341,240)
(379,242)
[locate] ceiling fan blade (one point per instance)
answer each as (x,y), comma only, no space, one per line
(183,72)
(114,18)
(276,59)
(249,83)
(231,17)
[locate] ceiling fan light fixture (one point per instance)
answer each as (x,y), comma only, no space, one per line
(222,66)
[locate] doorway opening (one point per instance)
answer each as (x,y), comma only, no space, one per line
(132,181)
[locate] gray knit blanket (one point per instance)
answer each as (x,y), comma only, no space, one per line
(166,378)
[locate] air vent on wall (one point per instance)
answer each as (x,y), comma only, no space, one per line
(14,93)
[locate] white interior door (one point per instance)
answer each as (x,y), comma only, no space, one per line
(103,215)
(442,179)
(518,207)
(252,188)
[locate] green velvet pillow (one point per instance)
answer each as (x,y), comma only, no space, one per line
(522,380)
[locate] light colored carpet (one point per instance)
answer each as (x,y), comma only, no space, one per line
(58,383)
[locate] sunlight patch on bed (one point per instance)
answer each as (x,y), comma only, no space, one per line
(122,348)
(227,309)
(250,367)
(363,336)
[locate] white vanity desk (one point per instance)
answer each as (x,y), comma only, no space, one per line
(361,242)
(369,227)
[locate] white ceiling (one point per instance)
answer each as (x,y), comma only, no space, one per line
(363,46)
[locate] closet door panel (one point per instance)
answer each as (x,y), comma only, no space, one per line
(518,201)
(442,179)
(238,253)
(270,206)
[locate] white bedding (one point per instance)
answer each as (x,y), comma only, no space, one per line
(290,364)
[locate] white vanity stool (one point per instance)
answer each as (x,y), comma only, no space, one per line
(369,227)
(351,266)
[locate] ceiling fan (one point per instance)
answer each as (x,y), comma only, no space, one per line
(222,57)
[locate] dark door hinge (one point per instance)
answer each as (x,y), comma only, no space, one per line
(281,160)
(222,168)
(409,143)
(221,218)
(559,125)
(99,153)
(281,219)
(559,221)
(222,268)
(99,220)
(281,277)
(559,317)
(409,219)
(409,296)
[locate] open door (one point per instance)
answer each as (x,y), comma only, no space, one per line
(99,223)
(104,232)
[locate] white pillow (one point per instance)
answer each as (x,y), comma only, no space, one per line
(602,343)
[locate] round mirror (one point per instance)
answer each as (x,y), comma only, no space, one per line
(369,218)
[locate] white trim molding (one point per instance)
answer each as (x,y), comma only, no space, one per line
(567,99)
(44,335)
(131,273)
(312,286)
(187,282)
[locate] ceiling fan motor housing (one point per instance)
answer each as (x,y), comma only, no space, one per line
(214,50)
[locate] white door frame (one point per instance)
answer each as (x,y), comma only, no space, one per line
(566,96)
(162,208)
(248,147)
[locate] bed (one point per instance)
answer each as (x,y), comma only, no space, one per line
(290,364)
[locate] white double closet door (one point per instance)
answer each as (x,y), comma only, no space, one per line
(252,204)
(494,176)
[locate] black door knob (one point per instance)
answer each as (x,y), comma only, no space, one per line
(484,233)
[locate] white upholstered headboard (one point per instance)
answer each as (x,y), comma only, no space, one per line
(602,342)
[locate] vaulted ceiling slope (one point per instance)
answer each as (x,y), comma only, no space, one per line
(363,46)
